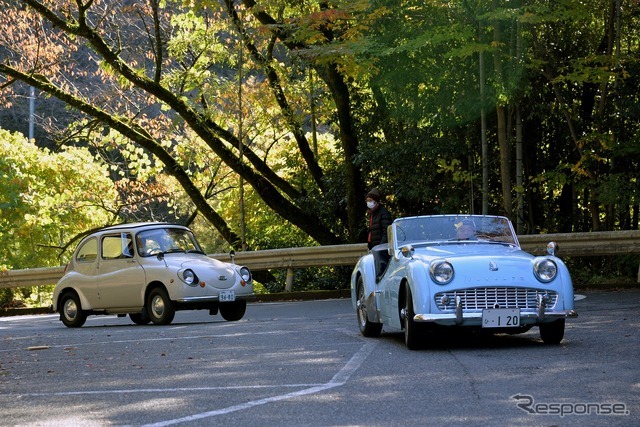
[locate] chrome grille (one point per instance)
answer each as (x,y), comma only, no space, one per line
(499,297)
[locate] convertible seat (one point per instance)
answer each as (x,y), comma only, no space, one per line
(381,259)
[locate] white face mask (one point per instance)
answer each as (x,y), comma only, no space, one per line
(371,204)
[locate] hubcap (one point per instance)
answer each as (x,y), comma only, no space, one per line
(157,306)
(362,307)
(70,309)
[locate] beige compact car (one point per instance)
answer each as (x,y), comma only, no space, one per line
(148,271)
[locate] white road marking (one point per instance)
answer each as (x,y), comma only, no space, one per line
(339,379)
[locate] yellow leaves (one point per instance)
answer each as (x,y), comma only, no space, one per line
(46,194)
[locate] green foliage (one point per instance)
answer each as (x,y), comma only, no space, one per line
(309,279)
(47,198)
(6,296)
(410,76)
(603,272)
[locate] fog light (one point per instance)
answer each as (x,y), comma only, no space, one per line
(445,300)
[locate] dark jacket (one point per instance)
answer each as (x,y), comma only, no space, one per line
(379,220)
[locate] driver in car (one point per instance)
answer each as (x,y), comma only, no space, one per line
(466,230)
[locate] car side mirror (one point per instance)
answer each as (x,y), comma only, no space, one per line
(407,251)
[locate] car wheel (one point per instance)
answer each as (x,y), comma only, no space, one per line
(367,328)
(553,332)
(140,318)
(159,307)
(233,311)
(412,332)
(71,312)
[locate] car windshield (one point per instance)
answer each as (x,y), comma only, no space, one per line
(454,229)
(166,240)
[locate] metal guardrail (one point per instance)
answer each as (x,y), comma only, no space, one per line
(570,244)
(596,243)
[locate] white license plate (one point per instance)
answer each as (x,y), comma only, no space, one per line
(226,296)
(501,318)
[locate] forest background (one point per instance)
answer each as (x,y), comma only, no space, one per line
(262,124)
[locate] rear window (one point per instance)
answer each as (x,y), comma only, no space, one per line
(88,251)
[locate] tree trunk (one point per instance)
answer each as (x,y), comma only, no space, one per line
(355,187)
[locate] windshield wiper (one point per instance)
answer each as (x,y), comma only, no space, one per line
(174,250)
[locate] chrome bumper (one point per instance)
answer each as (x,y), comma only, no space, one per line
(475,318)
(212,298)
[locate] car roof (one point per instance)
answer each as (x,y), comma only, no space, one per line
(136,225)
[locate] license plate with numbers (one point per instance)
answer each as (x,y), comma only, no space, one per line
(501,318)
(226,296)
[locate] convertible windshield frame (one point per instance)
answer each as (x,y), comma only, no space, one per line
(453,229)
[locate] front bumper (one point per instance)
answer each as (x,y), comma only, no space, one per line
(475,318)
(212,298)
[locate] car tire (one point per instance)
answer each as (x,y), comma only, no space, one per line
(553,332)
(159,307)
(71,312)
(367,328)
(412,330)
(141,318)
(233,311)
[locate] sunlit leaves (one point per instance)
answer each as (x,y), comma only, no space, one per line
(47,198)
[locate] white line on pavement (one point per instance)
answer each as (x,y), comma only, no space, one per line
(340,378)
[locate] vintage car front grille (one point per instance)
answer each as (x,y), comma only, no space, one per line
(498,297)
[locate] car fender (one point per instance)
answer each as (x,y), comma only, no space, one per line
(61,289)
(420,284)
(566,285)
(365,268)
(160,274)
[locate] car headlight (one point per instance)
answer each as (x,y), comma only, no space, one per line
(190,277)
(545,269)
(441,272)
(245,273)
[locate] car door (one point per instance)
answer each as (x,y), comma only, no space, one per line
(85,265)
(121,278)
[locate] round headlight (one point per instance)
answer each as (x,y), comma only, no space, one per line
(545,269)
(190,277)
(245,273)
(441,272)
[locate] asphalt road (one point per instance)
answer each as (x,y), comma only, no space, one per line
(305,364)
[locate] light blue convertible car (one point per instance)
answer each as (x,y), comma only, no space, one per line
(459,270)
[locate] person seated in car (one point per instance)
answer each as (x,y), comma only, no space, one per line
(466,230)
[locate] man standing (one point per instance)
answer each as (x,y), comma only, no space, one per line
(379,219)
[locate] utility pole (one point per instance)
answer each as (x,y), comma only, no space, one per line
(32,111)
